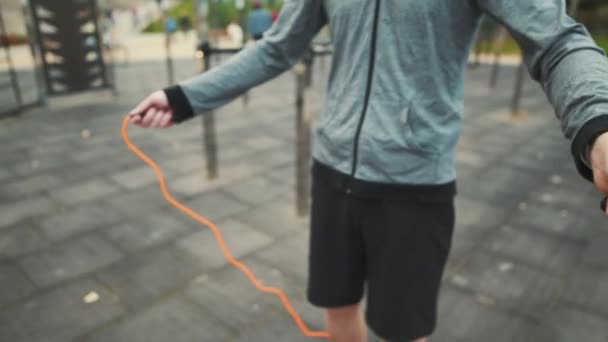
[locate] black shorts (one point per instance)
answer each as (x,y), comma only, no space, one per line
(392,239)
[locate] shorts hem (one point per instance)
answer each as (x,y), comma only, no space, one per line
(405,337)
(330,304)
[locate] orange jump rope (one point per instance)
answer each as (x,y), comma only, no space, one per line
(218,235)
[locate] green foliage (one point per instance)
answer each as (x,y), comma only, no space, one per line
(602,41)
(184,7)
(221,12)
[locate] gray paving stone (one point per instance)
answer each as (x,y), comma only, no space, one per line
(78,220)
(69,259)
(557,256)
(559,195)
(150,230)
(587,288)
(595,253)
(84,192)
(216,205)
(464,241)
(471,212)
(81,173)
(14,284)
(502,186)
(276,218)
(186,164)
(289,255)
(135,178)
(195,184)
(174,320)
(555,221)
(148,276)
(13,212)
(226,308)
(260,143)
(463,318)
(138,203)
(58,315)
(256,191)
(20,239)
(277,329)
(31,185)
(283,174)
(92,154)
(274,157)
(471,158)
(5,174)
(34,165)
(566,324)
(241,239)
(509,284)
(232,153)
(216,292)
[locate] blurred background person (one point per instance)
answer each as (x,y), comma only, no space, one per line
(259,21)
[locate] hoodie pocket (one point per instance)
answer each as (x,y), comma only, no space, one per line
(417,134)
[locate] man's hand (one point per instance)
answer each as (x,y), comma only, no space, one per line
(153,112)
(599,163)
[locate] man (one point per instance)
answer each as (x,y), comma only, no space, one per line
(384,174)
(260,20)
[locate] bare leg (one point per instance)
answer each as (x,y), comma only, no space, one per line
(345,324)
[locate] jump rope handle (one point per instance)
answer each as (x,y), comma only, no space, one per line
(604,204)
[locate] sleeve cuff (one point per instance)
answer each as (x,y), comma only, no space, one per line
(182,110)
(582,141)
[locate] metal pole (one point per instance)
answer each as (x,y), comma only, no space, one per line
(499,44)
(209,135)
(519,82)
(574,5)
(302,141)
(308,60)
(170,73)
(11,69)
(36,55)
(197,20)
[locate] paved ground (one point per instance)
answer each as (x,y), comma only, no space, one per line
(81,217)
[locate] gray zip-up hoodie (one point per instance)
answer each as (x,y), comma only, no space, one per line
(394,108)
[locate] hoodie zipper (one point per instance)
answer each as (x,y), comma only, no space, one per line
(368,89)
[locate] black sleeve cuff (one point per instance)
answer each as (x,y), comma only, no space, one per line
(585,136)
(182,110)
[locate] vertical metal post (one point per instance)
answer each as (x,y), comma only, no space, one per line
(573,9)
(499,44)
(308,60)
(197,19)
(302,141)
(11,69)
(35,52)
(170,73)
(519,83)
(209,135)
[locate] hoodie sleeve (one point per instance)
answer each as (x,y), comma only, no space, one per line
(281,47)
(562,56)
